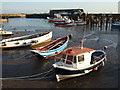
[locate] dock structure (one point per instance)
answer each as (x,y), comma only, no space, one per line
(72,13)
(12,15)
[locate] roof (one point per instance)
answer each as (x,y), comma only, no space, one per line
(77,9)
(76,50)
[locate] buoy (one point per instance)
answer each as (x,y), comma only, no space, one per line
(14,28)
(71,36)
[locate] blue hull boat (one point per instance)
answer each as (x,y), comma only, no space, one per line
(52,49)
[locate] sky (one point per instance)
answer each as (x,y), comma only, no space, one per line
(59,0)
(42,6)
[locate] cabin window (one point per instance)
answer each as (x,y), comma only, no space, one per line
(63,57)
(74,60)
(69,59)
(80,58)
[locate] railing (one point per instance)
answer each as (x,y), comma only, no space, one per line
(65,61)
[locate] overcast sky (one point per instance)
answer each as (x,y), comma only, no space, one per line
(60,0)
(42,6)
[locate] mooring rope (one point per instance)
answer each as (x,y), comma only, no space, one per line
(26,56)
(24,77)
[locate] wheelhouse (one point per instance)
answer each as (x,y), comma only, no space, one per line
(74,61)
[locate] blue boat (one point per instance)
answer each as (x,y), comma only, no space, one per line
(52,49)
(116,25)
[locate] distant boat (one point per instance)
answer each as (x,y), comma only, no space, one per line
(3,20)
(80,22)
(116,25)
(56,19)
(52,49)
(76,61)
(4,33)
(67,22)
(27,40)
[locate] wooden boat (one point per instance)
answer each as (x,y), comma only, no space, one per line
(80,22)
(2,32)
(75,61)
(52,49)
(28,40)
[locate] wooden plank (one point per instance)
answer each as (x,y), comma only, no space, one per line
(55,45)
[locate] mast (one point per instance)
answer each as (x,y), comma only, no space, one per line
(83,39)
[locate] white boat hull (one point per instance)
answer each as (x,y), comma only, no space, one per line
(60,77)
(6,33)
(8,43)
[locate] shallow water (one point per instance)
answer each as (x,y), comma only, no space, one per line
(19,62)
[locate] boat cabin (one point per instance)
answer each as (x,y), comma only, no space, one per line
(79,58)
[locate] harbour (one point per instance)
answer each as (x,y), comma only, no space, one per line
(28,65)
(59,47)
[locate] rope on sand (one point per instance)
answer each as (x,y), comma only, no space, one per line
(25,77)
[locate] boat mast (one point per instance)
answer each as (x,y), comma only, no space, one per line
(83,39)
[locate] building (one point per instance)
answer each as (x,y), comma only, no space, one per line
(72,13)
(119,7)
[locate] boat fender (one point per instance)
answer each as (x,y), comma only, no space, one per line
(71,36)
(96,68)
(105,47)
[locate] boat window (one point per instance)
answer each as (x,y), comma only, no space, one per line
(69,59)
(80,58)
(74,60)
(64,56)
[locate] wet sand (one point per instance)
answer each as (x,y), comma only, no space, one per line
(19,62)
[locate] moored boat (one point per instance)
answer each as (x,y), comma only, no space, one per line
(3,20)
(2,32)
(116,25)
(27,40)
(76,61)
(67,22)
(52,49)
(80,22)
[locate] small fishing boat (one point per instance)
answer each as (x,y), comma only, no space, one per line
(80,22)
(78,60)
(75,61)
(52,49)
(116,25)
(2,32)
(57,20)
(27,40)
(67,22)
